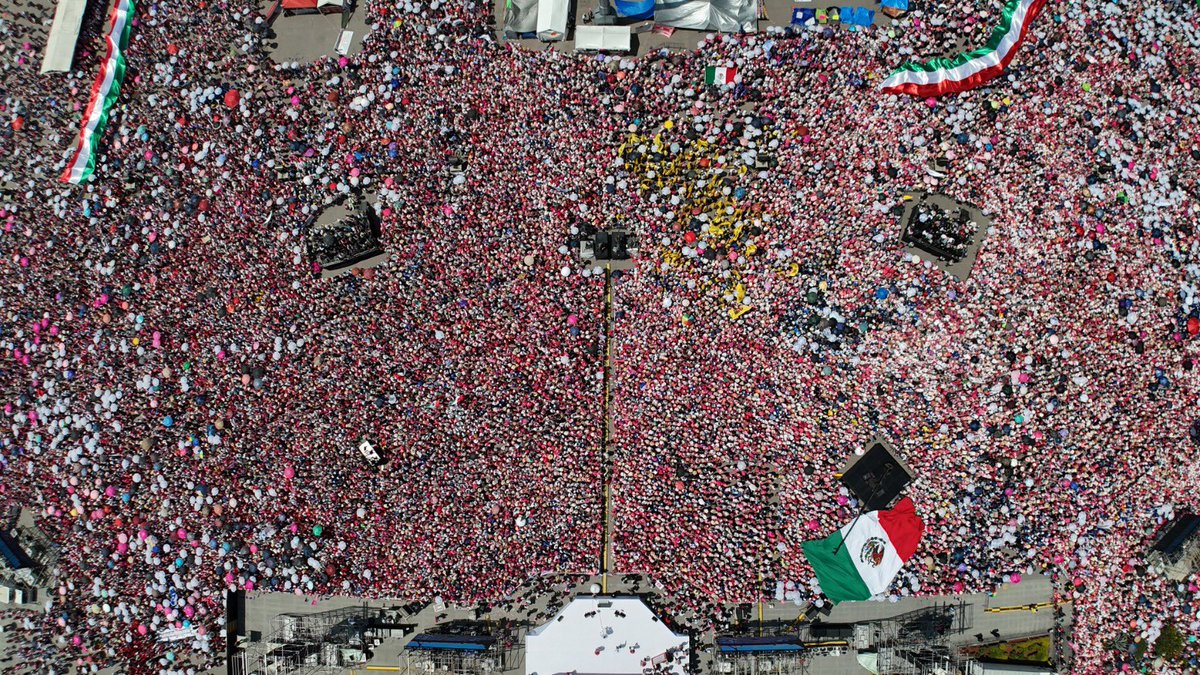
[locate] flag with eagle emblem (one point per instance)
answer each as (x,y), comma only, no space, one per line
(862,558)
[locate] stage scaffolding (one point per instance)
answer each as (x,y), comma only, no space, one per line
(311,644)
(913,643)
(503,655)
(444,662)
(918,642)
(743,663)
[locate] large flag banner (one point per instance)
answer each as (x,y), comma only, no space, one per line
(862,558)
(971,69)
(104,94)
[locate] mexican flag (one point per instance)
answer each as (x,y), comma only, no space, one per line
(970,69)
(104,94)
(719,75)
(862,558)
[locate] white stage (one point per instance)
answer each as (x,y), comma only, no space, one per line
(588,636)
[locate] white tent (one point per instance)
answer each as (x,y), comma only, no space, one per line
(64,33)
(602,38)
(618,635)
(725,16)
(328,3)
(552,19)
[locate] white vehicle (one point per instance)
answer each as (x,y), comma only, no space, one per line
(552,20)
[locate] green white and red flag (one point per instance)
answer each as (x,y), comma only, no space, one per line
(719,75)
(862,558)
(105,90)
(970,69)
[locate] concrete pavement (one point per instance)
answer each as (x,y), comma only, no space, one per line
(308,37)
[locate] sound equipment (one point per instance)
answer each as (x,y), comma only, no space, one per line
(606,245)
(877,478)
(620,252)
(235,621)
(603,246)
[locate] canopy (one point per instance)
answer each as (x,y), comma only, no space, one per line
(617,635)
(520,16)
(602,38)
(552,19)
(725,16)
(64,33)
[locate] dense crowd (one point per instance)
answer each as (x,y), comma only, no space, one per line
(185,395)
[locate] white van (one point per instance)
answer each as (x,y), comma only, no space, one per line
(552,20)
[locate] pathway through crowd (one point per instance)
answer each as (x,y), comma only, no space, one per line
(607,436)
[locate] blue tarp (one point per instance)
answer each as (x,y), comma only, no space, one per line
(459,643)
(800,16)
(634,9)
(759,644)
(901,5)
(855,16)
(851,16)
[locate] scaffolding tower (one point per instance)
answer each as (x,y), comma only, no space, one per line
(501,655)
(312,644)
(750,663)
(442,662)
(776,649)
(918,642)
